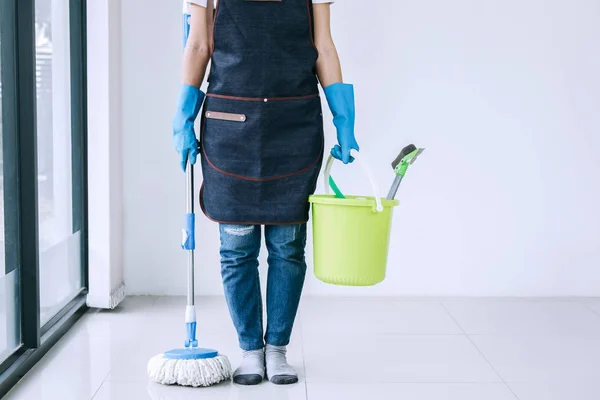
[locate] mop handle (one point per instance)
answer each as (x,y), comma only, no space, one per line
(190,220)
(190,228)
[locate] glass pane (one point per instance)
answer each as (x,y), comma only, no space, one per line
(60,261)
(10,325)
(10,321)
(2,260)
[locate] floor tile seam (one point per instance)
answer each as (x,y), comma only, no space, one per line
(529,335)
(478,350)
(590,308)
(382,334)
(303,359)
(395,382)
(101,384)
(424,383)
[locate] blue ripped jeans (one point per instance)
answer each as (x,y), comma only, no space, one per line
(240,246)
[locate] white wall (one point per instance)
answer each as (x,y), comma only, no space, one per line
(503,94)
(105,157)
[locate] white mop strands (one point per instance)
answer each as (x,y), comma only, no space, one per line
(190,366)
(190,372)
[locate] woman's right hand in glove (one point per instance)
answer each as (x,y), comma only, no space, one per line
(184,137)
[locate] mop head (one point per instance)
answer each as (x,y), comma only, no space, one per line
(189,367)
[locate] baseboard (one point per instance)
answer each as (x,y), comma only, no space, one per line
(107,302)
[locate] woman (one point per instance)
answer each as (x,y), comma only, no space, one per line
(261,148)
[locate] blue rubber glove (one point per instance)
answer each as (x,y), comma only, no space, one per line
(340,97)
(184,137)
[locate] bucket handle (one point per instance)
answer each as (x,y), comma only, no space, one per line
(360,159)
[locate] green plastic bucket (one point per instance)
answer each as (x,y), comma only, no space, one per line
(351,235)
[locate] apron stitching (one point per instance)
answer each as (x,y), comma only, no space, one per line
(214,28)
(272,178)
(310,26)
(238,223)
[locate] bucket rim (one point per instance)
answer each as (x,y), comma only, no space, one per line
(350,200)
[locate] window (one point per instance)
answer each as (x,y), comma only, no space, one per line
(10,325)
(43,254)
(59,240)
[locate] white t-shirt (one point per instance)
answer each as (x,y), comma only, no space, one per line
(203,2)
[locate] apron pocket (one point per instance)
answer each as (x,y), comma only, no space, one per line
(278,138)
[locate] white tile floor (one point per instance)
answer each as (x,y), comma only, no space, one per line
(351,349)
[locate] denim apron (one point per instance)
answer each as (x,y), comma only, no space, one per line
(262,126)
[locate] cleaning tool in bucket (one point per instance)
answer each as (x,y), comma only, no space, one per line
(407,157)
(351,234)
(191,365)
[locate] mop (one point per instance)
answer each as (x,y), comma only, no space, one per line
(191,365)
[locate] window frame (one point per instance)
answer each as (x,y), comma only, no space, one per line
(17,26)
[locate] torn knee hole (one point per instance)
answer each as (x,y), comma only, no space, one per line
(239,231)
